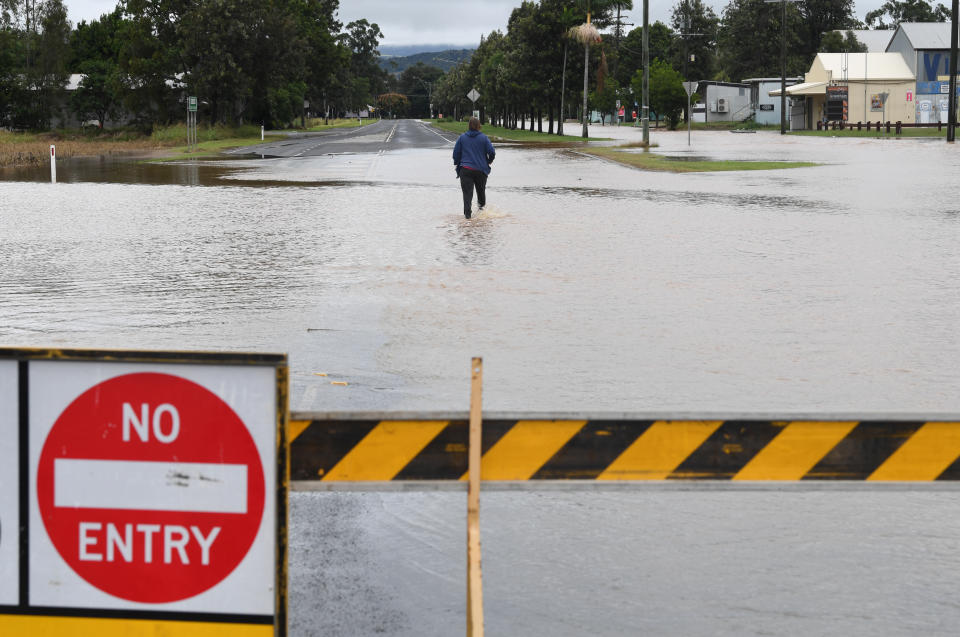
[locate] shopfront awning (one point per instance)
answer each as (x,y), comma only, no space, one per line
(809,88)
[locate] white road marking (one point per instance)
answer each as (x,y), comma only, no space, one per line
(436,133)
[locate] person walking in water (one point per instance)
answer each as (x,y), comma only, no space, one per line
(472,156)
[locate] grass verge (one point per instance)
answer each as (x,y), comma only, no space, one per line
(25,149)
(315,125)
(660,163)
(497,133)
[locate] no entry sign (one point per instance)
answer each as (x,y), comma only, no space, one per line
(150,487)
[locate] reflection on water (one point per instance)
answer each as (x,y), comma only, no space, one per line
(586,286)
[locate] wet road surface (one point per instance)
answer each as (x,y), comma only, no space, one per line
(382,136)
(586,286)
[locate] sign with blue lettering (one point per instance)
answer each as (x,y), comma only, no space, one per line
(935,88)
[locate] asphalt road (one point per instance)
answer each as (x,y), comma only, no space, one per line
(382,136)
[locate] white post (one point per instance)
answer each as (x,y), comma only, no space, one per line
(53,164)
(261,132)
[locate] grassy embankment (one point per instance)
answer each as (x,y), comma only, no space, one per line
(626,153)
(646,160)
(315,125)
(22,149)
(497,133)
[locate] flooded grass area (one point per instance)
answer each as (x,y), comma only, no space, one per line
(24,149)
(645,160)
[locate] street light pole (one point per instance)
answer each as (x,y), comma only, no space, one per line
(783,63)
(783,67)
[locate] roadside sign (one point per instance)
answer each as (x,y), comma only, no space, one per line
(690,87)
(9,492)
(192,104)
(473,95)
(153,482)
(150,487)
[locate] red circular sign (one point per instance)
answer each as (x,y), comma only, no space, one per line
(140,484)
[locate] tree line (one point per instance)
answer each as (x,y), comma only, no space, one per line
(249,61)
(530,72)
(271,61)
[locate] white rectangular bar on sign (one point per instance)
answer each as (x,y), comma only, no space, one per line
(150,485)
(9,479)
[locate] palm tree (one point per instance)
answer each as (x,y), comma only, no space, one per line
(586,34)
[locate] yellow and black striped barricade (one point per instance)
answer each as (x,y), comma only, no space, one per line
(386,447)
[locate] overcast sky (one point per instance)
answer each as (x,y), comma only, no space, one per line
(423,22)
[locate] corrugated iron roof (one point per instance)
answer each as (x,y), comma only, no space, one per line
(876,40)
(927,35)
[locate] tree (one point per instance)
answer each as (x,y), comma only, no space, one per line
(892,12)
(393,104)
(95,97)
(417,82)
(823,16)
(750,40)
(838,42)
(667,96)
(696,26)
(661,47)
(95,51)
(604,99)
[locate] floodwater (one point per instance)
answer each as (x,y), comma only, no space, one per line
(586,286)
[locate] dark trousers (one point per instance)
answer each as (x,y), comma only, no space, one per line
(470,179)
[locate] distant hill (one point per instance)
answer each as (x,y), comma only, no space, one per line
(445,60)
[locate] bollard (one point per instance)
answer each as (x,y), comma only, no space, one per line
(261,132)
(53,164)
(868,125)
(899,127)
(859,125)
(888,126)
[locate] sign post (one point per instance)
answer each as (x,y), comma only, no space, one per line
(192,122)
(153,481)
(689,87)
(473,96)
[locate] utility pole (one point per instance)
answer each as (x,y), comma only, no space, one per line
(952,118)
(645,93)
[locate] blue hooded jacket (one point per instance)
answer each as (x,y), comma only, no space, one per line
(474,150)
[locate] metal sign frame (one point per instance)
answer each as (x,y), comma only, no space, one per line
(25,617)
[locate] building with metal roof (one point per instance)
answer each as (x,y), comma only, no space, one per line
(925,46)
(876,40)
(853,87)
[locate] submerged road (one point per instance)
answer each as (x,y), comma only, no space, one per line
(586,287)
(385,135)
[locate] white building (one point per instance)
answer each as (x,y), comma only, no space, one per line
(766,109)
